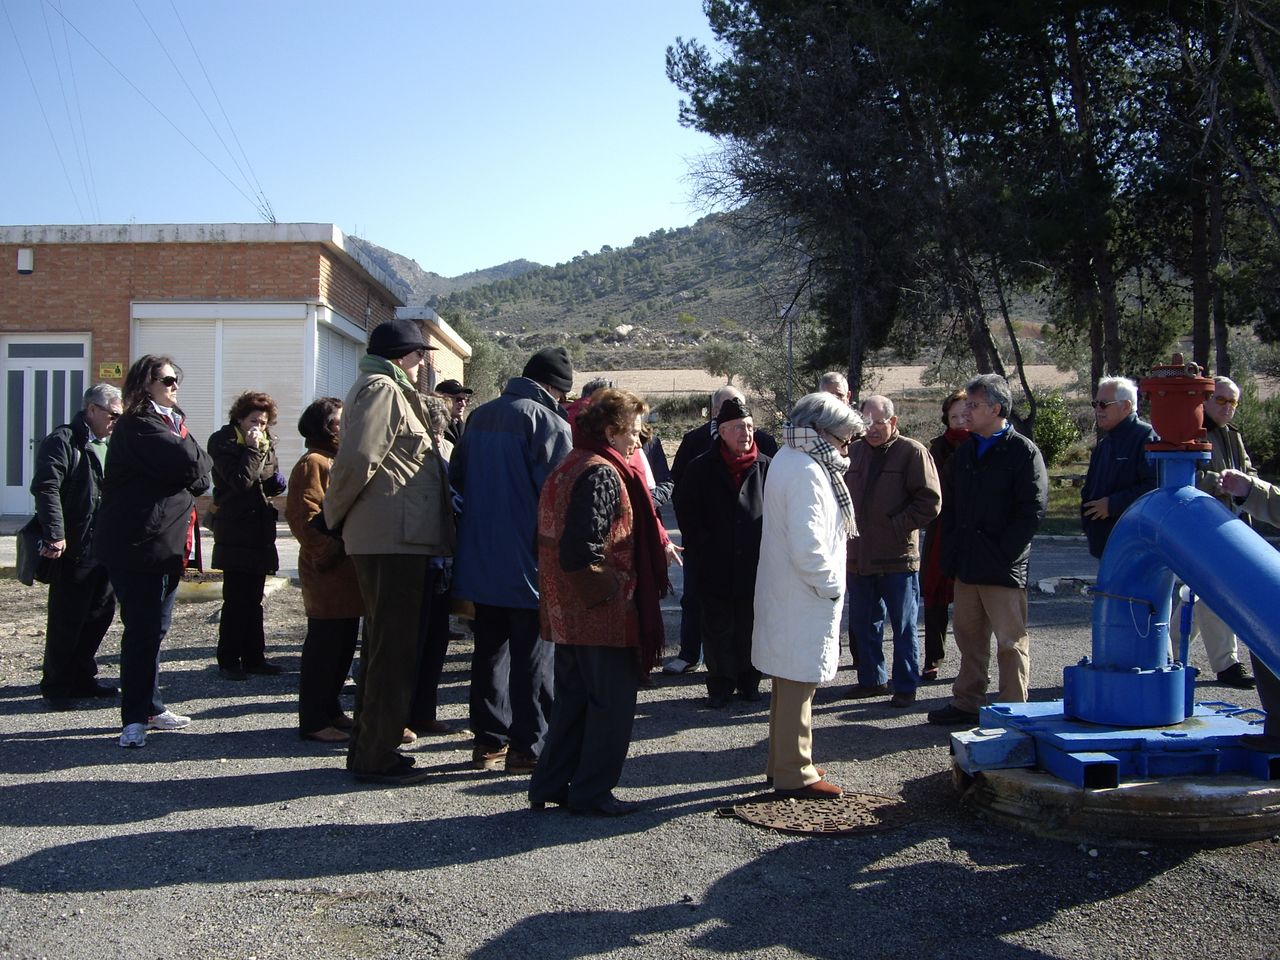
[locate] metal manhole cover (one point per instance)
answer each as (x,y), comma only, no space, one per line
(850,813)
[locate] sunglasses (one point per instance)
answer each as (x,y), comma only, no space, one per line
(1102,404)
(168,381)
(111,414)
(1226,402)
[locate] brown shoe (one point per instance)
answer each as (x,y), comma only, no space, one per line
(818,790)
(859,692)
(488,758)
(343,722)
(408,736)
(327,735)
(902,700)
(518,762)
(435,728)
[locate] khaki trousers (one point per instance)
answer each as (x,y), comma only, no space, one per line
(791,735)
(1219,642)
(979,612)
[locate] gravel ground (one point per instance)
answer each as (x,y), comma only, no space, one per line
(236,839)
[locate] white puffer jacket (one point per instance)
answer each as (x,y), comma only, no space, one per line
(800,580)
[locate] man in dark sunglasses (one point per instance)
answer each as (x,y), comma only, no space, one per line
(1228,454)
(1119,472)
(67,478)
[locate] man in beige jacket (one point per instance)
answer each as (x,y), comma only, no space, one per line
(389,494)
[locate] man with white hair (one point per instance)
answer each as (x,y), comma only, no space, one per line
(837,384)
(66,486)
(1119,471)
(1228,454)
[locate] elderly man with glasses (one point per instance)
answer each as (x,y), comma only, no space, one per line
(1228,454)
(996,495)
(895,490)
(1119,472)
(67,489)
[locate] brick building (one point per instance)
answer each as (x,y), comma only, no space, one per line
(284,308)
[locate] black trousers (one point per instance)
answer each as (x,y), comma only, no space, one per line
(512,671)
(433,644)
(726,644)
(391,587)
(81,608)
(935,635)
(241,641)
(326,658)
(1269,694)
(590,725)
(146,610)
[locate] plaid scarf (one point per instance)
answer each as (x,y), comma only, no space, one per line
(807,440)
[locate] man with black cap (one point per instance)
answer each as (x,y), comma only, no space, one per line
(510,446)
(389,493)
(457,396)
(720,508)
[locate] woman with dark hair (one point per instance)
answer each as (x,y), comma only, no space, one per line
(602,565)
(246,475)
(146,532)
(935,587)
(330,591)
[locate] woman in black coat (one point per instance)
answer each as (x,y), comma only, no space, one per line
(146,531)
(246,474)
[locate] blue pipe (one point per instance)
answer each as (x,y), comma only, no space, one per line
(1174,530)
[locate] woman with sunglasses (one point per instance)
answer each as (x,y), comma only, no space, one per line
(800,582)
(146,532)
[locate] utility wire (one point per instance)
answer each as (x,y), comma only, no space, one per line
(48,126)
(94,205)
(199,106)
(66,107)
(230,126)
(152,105)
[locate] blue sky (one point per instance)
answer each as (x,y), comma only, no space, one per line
(461,134)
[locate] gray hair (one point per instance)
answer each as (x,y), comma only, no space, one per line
(599,383)
(438,413)
(995,387)
(834,378)
(100,395)
(824,411)
(884,403)
(1125,389)
(723,394)
(1227,382)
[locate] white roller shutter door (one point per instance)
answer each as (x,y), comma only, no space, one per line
(193,346)
(267,355)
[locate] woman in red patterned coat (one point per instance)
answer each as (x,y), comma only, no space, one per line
(602,559)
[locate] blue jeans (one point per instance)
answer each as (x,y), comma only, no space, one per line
(894,597)
(146,610)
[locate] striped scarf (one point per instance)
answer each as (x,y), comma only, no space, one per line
(807,440)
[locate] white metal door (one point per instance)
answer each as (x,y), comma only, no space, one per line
(45,376)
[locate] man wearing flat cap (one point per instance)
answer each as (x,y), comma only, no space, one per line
(509,447)
(389,493)
(720,508)
(457,396)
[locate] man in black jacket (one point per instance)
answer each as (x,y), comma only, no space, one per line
(66,484)
(457,396)
(996,495)
(1119,471)
(720,508)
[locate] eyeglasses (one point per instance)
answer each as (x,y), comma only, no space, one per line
(1226,401)
(1102,404)
(870,422)
(842,441)
(167,381)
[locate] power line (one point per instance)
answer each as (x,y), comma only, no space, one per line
(199,106)
(66,107)
(84,132)
(230,126)
(48,126)
(152,105)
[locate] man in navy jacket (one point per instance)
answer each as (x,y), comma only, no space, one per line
(1119,472)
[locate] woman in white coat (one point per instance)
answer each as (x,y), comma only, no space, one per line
(808,519)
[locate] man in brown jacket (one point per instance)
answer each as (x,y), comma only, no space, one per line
(895,490)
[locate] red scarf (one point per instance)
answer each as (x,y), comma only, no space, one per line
(956,436)
(650,557)
(738,463)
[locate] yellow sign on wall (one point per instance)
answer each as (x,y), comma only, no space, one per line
(110,371)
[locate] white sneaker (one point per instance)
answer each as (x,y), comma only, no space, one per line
(134,735)
(677,665)
(168,721)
